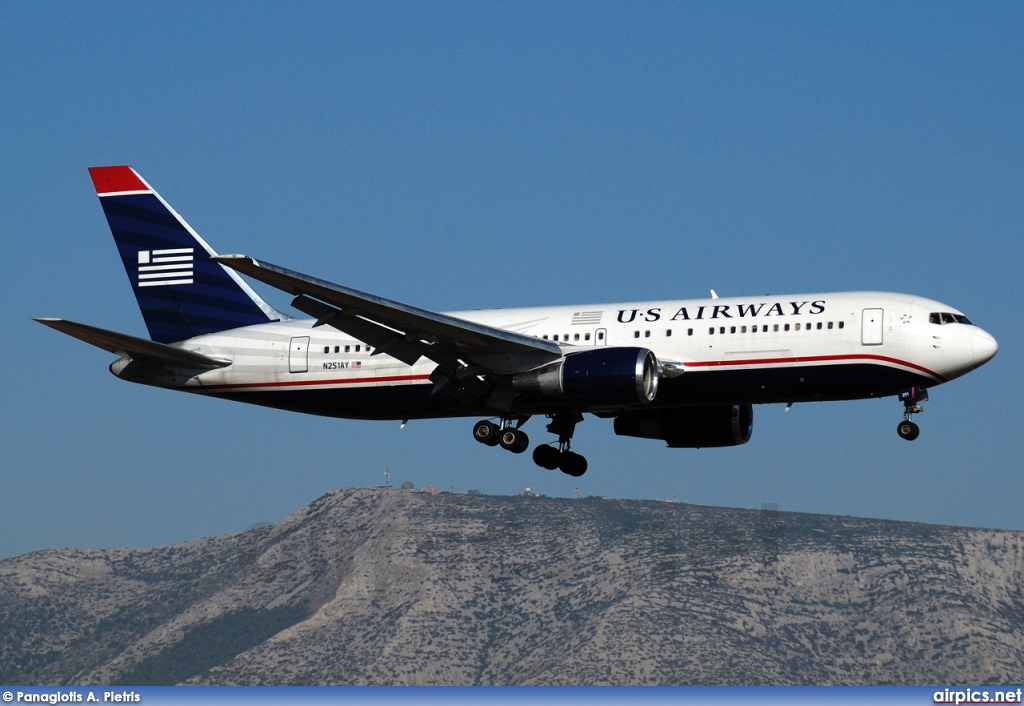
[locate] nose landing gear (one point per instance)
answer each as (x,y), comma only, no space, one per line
(911,398)
(908,430)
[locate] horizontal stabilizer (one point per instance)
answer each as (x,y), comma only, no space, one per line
(137,348)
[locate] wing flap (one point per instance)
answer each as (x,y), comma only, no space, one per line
(137,348)
(381,338)
(443,338)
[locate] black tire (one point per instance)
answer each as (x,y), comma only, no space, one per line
(908,430)
(546,457)
(486,432)
(572,464)
(509,439)
(522,444)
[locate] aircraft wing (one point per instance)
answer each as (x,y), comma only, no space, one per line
(402,331)
(137,348)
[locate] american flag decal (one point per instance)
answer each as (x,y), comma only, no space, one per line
(586,318)
(159,268)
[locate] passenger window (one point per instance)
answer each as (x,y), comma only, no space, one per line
(555,337)
(776,327)
(689,332)
(668,333)
(830,324)
(337,349)
(545,337)
(819,325)
(797,327)
(753,329)
(636,334)
(787,327)
(327,349)
(711,331)
(841,324)
(743,329)
(647,334)
(575,337)
(721,329)
(357,349)
(586,337)
(348,348)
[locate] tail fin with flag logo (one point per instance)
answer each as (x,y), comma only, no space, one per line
(182,292)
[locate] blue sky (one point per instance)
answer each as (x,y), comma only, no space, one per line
(465,155)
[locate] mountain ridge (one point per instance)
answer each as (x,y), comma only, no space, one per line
(390,586)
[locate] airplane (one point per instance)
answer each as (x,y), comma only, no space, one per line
(686,372)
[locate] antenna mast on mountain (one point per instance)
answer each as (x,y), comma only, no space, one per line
(387,477)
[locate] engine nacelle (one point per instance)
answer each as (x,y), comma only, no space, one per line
(691,427)
(602,376)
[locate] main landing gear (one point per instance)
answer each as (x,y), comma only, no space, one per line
(547,456)
(506,436)
(911,398)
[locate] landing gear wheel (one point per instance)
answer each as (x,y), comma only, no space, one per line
(908,430)
(546,457)
(572,464)
(513,440)
(486,432)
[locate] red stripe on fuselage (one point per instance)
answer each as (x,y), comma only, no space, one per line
(813,359)
(307,383)
(697,364)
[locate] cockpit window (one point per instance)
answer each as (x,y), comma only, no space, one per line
(946,317)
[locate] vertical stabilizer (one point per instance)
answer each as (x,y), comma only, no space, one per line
(181,292)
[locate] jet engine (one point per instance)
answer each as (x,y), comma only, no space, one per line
(691,427)
(602,376)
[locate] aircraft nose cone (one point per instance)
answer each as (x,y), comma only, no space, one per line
(985,347)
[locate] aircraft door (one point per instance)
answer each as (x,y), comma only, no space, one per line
(298,355)
(871,327)
(601,337)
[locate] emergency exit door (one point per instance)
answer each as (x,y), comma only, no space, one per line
(871,327)
(298,353)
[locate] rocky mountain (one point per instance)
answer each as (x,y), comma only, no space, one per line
(392,586)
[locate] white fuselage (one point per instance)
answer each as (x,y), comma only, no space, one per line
(729,350)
